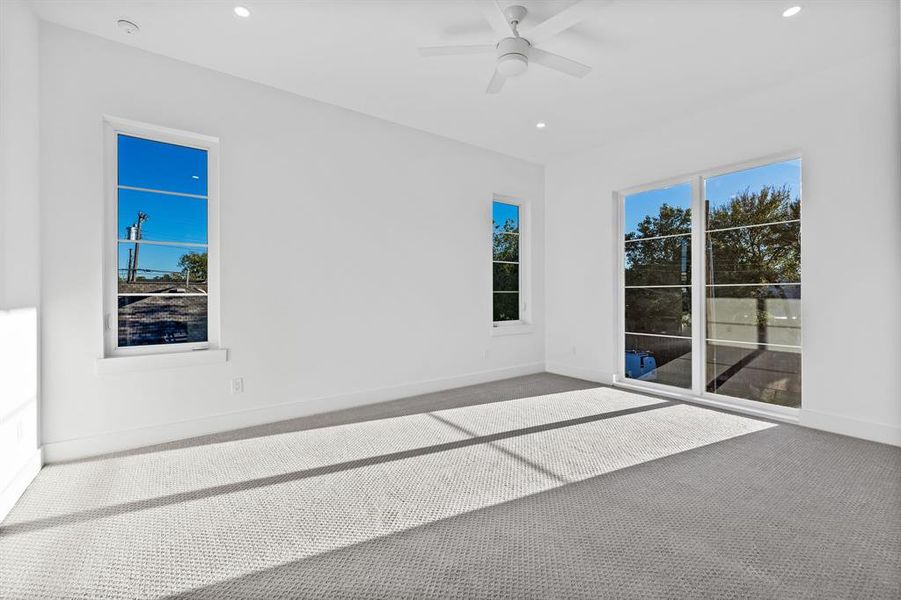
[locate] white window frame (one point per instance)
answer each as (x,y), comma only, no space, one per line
(113,127)
(524,323)
(698,392)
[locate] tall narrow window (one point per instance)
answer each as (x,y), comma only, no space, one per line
(753,283)
(657,291)
(162,245)
(506,262)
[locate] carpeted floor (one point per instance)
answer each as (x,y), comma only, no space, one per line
(534,487)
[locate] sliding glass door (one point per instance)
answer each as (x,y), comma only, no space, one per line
(723,320)
(657,285)
(753,283)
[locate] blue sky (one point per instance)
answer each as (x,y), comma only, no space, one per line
(159,166)
(648,203)
(169,168)
(502,211)
(718,190)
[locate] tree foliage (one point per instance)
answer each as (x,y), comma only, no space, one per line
(506,276)
(194,265)
(767,254)
(737,254)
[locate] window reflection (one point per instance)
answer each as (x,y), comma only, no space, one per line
(657,248)
(753,283)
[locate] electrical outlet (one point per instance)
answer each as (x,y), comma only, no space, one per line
(237,386)
(19,433)
(487,352)
(574,350)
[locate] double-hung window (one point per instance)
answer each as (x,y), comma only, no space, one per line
(161,240)
(711,284)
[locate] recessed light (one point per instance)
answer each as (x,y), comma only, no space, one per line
(541,125)
(242,11)
(790,12)
(128,27)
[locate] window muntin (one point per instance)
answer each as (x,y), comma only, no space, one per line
(506,275)
(162,245)
(753,283)
(657,277)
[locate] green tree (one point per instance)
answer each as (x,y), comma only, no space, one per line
(752,255)
(194,265)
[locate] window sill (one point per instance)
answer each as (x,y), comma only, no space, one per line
(513,329)
(148,362)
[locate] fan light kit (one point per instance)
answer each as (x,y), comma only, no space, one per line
(541,125)
(514,52)
(242,11)
(790,12)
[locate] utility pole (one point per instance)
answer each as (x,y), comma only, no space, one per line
(134,264)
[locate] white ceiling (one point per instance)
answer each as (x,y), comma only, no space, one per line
(653,59)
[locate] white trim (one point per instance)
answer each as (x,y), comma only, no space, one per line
(112,126)
(748,407)
(753,225)
(176,136)
(698,291)
(183,357)
(653,287)
(20,481)
(153,191)
(747,284)
(164,294)
(161,243)
(502,328)
(868,430)
(663,335)
(113,441)
(655,237)
(755,344)
(596,375)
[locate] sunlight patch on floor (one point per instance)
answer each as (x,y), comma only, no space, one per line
(243,506)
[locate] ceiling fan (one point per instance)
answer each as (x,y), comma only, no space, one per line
(514,52)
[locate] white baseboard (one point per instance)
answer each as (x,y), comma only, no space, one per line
(833,423)
(16,487)
(581,373)
(115,441)
(875,432)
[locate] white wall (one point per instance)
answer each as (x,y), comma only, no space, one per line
(845,121)
(19,250)
(355,253)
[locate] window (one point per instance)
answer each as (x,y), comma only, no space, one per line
(753,283)
(508,304)
(160,280)
(734,331)
(657,248)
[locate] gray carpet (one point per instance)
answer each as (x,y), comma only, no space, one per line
(535,487)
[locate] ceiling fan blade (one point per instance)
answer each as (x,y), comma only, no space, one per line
(496,83)
(457,50)
(558,63)
(562,21)
(495,17)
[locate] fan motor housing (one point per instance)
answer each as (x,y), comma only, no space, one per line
(513,56)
